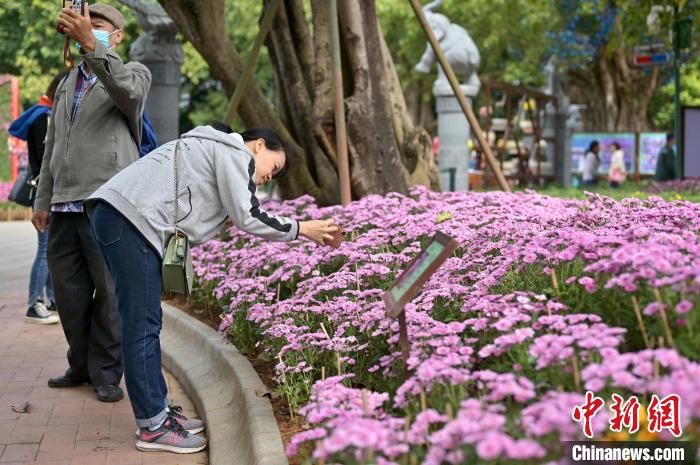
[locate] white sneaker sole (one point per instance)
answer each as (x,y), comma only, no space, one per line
(153,446)
(191,431)
(42,321)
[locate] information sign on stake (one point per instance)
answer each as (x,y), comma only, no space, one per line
(409,283)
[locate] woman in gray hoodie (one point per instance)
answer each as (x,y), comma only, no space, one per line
(132,217)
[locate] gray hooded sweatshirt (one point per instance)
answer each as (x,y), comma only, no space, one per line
(216,174)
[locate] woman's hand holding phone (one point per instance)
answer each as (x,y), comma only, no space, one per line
(322,232)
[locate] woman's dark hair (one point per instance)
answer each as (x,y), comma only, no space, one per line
(51,90)
(616,145)
(593,145)
(223,127)
(272,142)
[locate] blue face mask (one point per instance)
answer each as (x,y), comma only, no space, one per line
(101,36)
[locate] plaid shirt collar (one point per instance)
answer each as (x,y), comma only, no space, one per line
(83,85)
(91,78)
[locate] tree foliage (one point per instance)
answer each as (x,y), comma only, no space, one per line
(205,99)
(662,108)
(31,48)
(387,153)
(508,34)
(596,42)
(592,40)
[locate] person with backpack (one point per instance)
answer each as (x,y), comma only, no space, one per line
(95,132)
(31,126)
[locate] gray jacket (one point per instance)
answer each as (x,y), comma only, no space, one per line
(216,174)
(105,136)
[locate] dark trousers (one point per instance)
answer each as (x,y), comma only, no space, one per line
(86,301)
(136,268)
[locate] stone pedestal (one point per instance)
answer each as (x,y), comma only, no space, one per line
(453,132)
(163,104)
(563,150)
(162,54)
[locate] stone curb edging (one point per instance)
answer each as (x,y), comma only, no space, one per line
(221,382)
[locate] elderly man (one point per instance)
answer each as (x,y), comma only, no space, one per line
(94,133)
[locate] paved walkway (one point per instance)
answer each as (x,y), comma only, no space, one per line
(63,426)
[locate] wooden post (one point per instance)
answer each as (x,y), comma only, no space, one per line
(403,338)
(340,131)
(249,66)
(454,83)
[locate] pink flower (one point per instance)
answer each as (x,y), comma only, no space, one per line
(589,284)
(684,306)
(653,308)
(490,447)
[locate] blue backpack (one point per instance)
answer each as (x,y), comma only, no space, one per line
(149,141)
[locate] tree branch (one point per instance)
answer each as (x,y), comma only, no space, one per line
(304,45)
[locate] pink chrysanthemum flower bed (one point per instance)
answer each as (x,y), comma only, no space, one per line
(5,189)
(544,299)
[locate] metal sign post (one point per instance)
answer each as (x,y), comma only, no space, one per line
(412,279)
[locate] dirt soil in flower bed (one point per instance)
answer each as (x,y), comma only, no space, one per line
(288,427)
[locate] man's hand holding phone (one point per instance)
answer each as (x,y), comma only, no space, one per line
(76,26)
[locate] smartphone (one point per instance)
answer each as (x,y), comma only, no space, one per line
(338,237)
(76,5)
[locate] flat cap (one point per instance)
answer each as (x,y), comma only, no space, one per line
(109,13)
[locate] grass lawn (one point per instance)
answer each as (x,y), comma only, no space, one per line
(629,189)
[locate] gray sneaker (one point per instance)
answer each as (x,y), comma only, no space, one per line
(191,425)
(38,314)
(170,437)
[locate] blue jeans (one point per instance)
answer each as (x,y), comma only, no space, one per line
(40,277)
(136,269)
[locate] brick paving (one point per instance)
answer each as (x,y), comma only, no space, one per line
(63,426)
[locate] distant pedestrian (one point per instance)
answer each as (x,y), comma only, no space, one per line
(591,163)
(618,172)
(666,162)
(31,126)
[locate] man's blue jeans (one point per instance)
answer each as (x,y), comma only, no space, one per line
(40,277)
(136,269)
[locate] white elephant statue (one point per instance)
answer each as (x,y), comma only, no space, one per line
(459,48)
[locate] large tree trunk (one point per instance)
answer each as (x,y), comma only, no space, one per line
(387,153)
(616,94)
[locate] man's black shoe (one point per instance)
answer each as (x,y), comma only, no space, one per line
(65,381)
(109,393)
